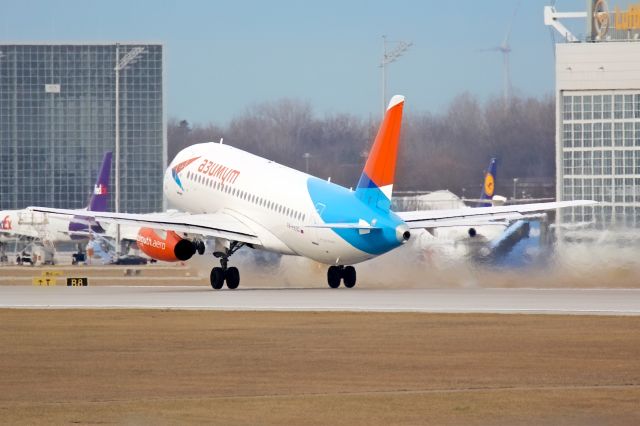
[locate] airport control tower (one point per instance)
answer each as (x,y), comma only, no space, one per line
(58,115)
(598,113)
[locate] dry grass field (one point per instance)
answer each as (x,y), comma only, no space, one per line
(168,367)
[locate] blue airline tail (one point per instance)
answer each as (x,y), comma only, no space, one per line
(489,185)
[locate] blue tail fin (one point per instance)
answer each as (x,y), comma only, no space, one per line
(489,185)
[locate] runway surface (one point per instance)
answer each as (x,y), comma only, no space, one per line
(560,301)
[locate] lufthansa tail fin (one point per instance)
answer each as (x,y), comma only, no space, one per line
(489,185)
(100,195)
(376,182)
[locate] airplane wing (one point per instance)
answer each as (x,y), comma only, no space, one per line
(13,233)
(480,215)
(360,225)
(219,225)
(453,223)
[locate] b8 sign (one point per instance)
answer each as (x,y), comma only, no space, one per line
(77,282)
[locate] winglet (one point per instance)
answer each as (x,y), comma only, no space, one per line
(376,182)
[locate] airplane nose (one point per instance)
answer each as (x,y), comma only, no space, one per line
(402,233)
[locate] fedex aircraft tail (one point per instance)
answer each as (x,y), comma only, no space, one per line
(100,195)
(489,186)
(376,182)
(79,225)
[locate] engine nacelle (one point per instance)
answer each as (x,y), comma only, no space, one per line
(164,245)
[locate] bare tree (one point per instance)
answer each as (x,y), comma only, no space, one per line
(448,150)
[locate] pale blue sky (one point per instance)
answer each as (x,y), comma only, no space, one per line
(222,57)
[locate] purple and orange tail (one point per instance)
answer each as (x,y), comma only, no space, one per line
(376,182)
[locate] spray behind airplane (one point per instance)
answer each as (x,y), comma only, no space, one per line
(241,200)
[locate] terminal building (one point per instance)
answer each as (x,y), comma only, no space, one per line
(58,116)
(598,115)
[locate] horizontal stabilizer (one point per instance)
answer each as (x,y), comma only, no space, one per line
(343,226)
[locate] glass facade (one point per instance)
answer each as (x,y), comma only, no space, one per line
(57,118)
(600,156)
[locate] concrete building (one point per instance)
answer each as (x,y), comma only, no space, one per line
(58,117)
(598,119)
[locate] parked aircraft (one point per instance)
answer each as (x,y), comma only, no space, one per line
(489,188)
(29,225)
(241,199)
(479,231)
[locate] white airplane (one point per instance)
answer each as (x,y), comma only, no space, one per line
(480,231)
(241,199)
(27,224)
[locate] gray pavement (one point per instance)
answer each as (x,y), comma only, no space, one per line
(549,301)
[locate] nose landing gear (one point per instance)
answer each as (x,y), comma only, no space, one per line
(347,274)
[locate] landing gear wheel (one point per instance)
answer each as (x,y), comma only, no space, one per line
(349,276)
(200,247)
(232,276)
(217,278)
(334,276)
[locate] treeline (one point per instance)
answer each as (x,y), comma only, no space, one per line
(438,151)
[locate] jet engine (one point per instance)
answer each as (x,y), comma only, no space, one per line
(165,245)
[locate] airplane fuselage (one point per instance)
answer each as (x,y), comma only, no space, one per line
(280,204)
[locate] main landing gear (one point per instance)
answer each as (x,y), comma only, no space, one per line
(222,274)
(335,274)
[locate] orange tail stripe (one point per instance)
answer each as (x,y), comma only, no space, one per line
(381,164)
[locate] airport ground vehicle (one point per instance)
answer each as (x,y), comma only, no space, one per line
(36,254)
